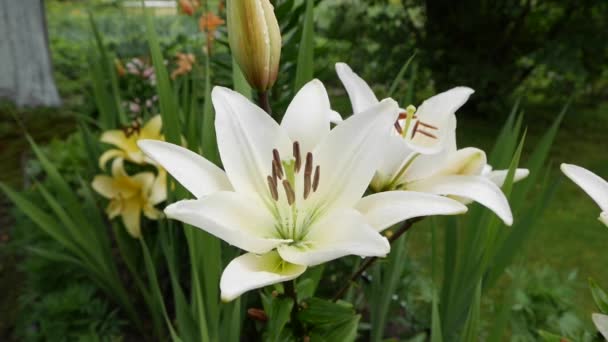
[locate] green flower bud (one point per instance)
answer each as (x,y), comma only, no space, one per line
(255,40)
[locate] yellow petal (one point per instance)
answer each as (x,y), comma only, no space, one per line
(118,168)
(105,186)
(151,129)
(158,192)
(152,213)
(138,157)
(116,137)
(144,181)
(109,155)
(114,208)
(131,217)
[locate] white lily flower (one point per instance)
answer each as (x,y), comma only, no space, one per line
(291,193)
(421,155)
(592,184)
(423,130)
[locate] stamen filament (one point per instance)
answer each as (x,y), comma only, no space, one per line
(415,129)
(427,134)
(427,125)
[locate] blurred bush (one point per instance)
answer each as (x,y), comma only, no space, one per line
(540,48)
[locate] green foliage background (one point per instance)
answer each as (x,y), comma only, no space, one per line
(376,37)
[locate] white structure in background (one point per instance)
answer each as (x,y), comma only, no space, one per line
(26,72)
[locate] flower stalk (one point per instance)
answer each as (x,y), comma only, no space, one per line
(370,261)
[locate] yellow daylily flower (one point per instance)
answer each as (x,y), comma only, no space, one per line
(126,141)
(131,195)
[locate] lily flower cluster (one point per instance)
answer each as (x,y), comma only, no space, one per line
(131,195)
(292,194)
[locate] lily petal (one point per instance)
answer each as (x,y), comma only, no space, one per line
(592,184)
(604,218)
(601,323)
(335,117)
(232,217)
(250,271)
(384,209)
(394,155)
(151,129)
(467,161)
(353,148)
(342,232)
(498,177)
(104,185)
(198,175)
(117,138)
(108,155)
(158,192)
(437,112)
(307,117)
(477,188)
(246,137)
(131,217)
(361,95)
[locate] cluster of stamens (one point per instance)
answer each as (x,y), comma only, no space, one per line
(133,128)
(280,174)
(419,126)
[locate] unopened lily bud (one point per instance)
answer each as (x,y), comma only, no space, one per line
(255,40)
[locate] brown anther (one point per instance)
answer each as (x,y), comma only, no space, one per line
(257,314)
(427,134)
(315,182)
(403,116)
(307,175)
(276,158)
(273,169)
(277,170)
(272,185)
(398,127)
(297,156)
(427,125)
(415,129)
(291,196)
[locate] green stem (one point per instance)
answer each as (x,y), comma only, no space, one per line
(264,102)
(290,291)
(370,261)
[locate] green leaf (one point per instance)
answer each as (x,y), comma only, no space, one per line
(278,310)
(550,337)
(599,296)
(305,67)
(209,142)
(155,288)
(239,82)
(400,76)
(345,331)
(436,334)
(169,109)
(321,312)
(471,327)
